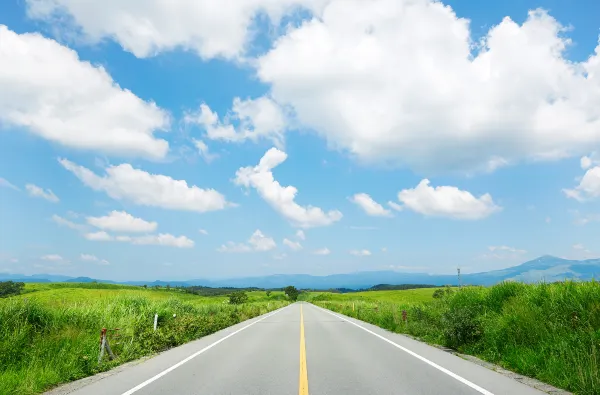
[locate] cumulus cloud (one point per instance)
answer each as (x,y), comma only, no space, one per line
(507,249)
(204,151)
(258,242)
(52,257)
(203,231)
(98,236)
(162,239)
(256,119)
(402,82)
(94,259)
(394,206)
(148,27)
(294,245)
(121,221)
(360,252)
(69,224)
(46,89)
(447,201)
(300,234)
(282,199)
(5,183)
(588,188)
(123,182)
(322,251)
(47,194)
(370,206)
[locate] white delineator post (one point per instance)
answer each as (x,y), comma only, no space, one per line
(155,321)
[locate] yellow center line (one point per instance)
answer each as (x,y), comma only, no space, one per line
(303,390)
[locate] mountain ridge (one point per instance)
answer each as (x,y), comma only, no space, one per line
(545,268)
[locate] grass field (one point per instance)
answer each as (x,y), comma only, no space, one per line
(404,296)
(49,335)
(547,331)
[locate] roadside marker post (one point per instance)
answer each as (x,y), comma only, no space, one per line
(155,321)
(104,346)
(352,306)
(404,316)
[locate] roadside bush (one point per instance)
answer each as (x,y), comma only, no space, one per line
(238,297)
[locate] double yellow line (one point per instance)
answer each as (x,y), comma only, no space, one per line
(303,382)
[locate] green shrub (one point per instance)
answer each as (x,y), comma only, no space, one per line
(238,297)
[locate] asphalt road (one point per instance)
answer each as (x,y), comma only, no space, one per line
(302,349)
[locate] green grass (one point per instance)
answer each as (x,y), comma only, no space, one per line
(399,296)
(547,331)
(50,335)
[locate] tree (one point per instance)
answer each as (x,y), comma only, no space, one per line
(268,293)
(291,292)
(438,294)
(10,288)
(238,297)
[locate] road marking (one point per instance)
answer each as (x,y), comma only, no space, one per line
(414,354)
(194,355)
(303,382)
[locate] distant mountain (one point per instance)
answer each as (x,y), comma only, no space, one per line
(545,268)
(88,280)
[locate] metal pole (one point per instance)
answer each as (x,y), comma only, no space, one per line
(102,344)
(459,284)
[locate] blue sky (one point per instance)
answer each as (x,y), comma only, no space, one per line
(481,131)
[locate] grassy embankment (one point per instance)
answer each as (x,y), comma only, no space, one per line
(50,334)
(547,331)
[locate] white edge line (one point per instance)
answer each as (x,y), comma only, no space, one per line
(414,354)
(194,355)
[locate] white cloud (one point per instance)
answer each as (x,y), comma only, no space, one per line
(583,219)
(578,246)
(322,251)
(282,199)
(447,201)
(52,257)
(123,182)
(280,256)
(256,119)
(294,245)
(121,221)
(384,249)
(507,249)
(394,206)
(204,151)
(162,239)
(548,220)
(5,183)
(402,82)
(370,206)
(98,236)
(585,162)
(588,188)
(65,222)
(94,259)
(47,90)
(36,191)
(147,27)
(300,234)
(203,231)
(257,242)
(360,252)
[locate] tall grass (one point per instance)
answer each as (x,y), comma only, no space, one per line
(547,331)
(42,344)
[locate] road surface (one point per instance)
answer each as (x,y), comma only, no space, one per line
(302,349)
